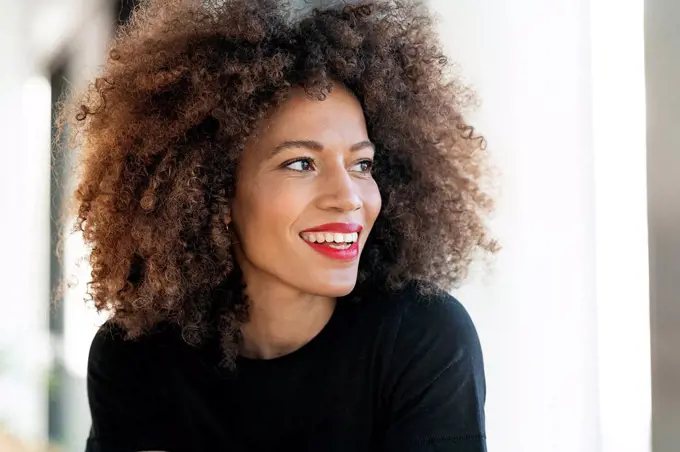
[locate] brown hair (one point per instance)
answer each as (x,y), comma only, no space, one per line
(162,127)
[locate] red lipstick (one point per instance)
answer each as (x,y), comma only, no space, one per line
(345,228)
(324,248)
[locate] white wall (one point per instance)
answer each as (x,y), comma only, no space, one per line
(565,339)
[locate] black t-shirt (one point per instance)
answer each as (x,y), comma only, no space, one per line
(396,373)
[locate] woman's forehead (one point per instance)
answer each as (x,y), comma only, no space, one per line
(300,117)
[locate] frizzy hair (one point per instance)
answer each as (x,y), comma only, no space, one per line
(161,128)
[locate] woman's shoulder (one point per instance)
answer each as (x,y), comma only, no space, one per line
(128,390)
(113,347)
(419,304)
(433,378)
(418,318)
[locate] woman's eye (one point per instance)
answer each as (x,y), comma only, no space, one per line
(303,164)
(307,164)
(365,166)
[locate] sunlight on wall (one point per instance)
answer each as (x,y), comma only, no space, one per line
(622,259)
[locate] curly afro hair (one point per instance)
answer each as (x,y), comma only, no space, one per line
(186,82)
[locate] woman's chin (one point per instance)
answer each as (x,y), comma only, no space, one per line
(332,286)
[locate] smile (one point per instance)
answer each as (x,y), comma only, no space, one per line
(333,239)
(339,241)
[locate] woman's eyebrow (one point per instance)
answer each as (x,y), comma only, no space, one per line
(316,146)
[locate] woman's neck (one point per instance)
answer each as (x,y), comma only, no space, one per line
(282,320)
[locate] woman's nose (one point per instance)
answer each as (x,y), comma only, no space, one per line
(340,191)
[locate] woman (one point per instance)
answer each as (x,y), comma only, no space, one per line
(277,201)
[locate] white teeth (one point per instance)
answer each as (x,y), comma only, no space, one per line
(339,246)
(330,237)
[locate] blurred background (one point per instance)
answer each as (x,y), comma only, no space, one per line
(579,315)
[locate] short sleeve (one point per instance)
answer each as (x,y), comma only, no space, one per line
(128,405)
(436,387)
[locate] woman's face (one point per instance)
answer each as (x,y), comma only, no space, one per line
(306,179)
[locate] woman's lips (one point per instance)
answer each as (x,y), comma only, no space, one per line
(344,228)
(345,255)
(328,233)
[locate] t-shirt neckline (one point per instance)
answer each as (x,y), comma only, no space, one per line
(313,345)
